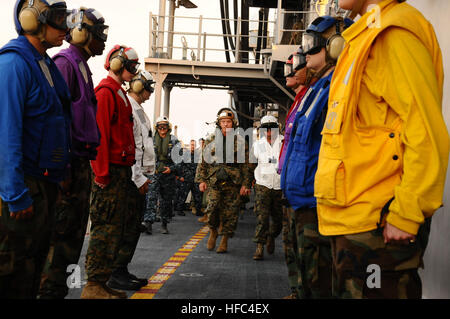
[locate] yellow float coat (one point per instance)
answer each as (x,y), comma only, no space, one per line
(384,135)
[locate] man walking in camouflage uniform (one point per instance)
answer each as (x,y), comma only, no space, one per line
(165,145)
(188,170)
(226,173)
(267,187)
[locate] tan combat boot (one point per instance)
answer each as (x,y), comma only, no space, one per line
(99,290)
(270,244)
(203,219)
(212,239)
(223,245)
(259,253)
(293,295)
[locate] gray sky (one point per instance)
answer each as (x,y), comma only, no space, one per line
(129,25)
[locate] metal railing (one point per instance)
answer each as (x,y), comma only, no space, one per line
(199,39)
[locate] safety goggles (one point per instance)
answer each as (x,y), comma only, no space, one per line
(298,61)
(269,126)
(226,115)
(57,18)
(312,43)
(148,86)
(99,31)
(131,66)
(288,69)
(75,20)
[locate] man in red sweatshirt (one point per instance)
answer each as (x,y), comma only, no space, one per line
(111,173)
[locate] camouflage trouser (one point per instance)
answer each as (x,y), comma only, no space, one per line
(161,187)
(315,256)
(24,244)
(71,218)
(204,202)
(289,237)
(108,212)
(185,188)
(267,204)
(151,199)
(131,233)
(397,264)
(223,206)
(178,193)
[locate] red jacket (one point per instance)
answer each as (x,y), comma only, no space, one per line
(115,122)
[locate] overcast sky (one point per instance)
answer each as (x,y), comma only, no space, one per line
(129,25)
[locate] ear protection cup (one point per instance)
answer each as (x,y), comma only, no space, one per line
(79,37)
(335,45)
(117,63)
(29,18)
(137,86)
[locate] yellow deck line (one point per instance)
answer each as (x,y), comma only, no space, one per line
(163,274)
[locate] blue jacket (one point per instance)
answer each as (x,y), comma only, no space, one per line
(300,165)
(34,121)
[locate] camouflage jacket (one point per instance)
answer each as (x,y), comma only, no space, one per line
(216,160)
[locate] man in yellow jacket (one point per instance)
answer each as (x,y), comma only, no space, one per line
(384,151)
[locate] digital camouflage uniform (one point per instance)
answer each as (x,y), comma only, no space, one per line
(24,243)
(131,234)
(291,250)
(224,180)
(162,185)
(151,199)
(399,278)
(188,170)
(267,204)
(71,218)
(109,212)
(307,254)
(314,256)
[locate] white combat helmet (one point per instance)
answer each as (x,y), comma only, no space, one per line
(163,120)
(269,121)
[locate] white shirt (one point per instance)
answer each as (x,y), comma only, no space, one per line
(267,155)
(145,152)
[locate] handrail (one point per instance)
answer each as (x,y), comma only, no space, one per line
(156,48)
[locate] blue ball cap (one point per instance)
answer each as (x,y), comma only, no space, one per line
(321,24)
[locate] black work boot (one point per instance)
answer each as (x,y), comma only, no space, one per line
(142,281)
(120,280)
